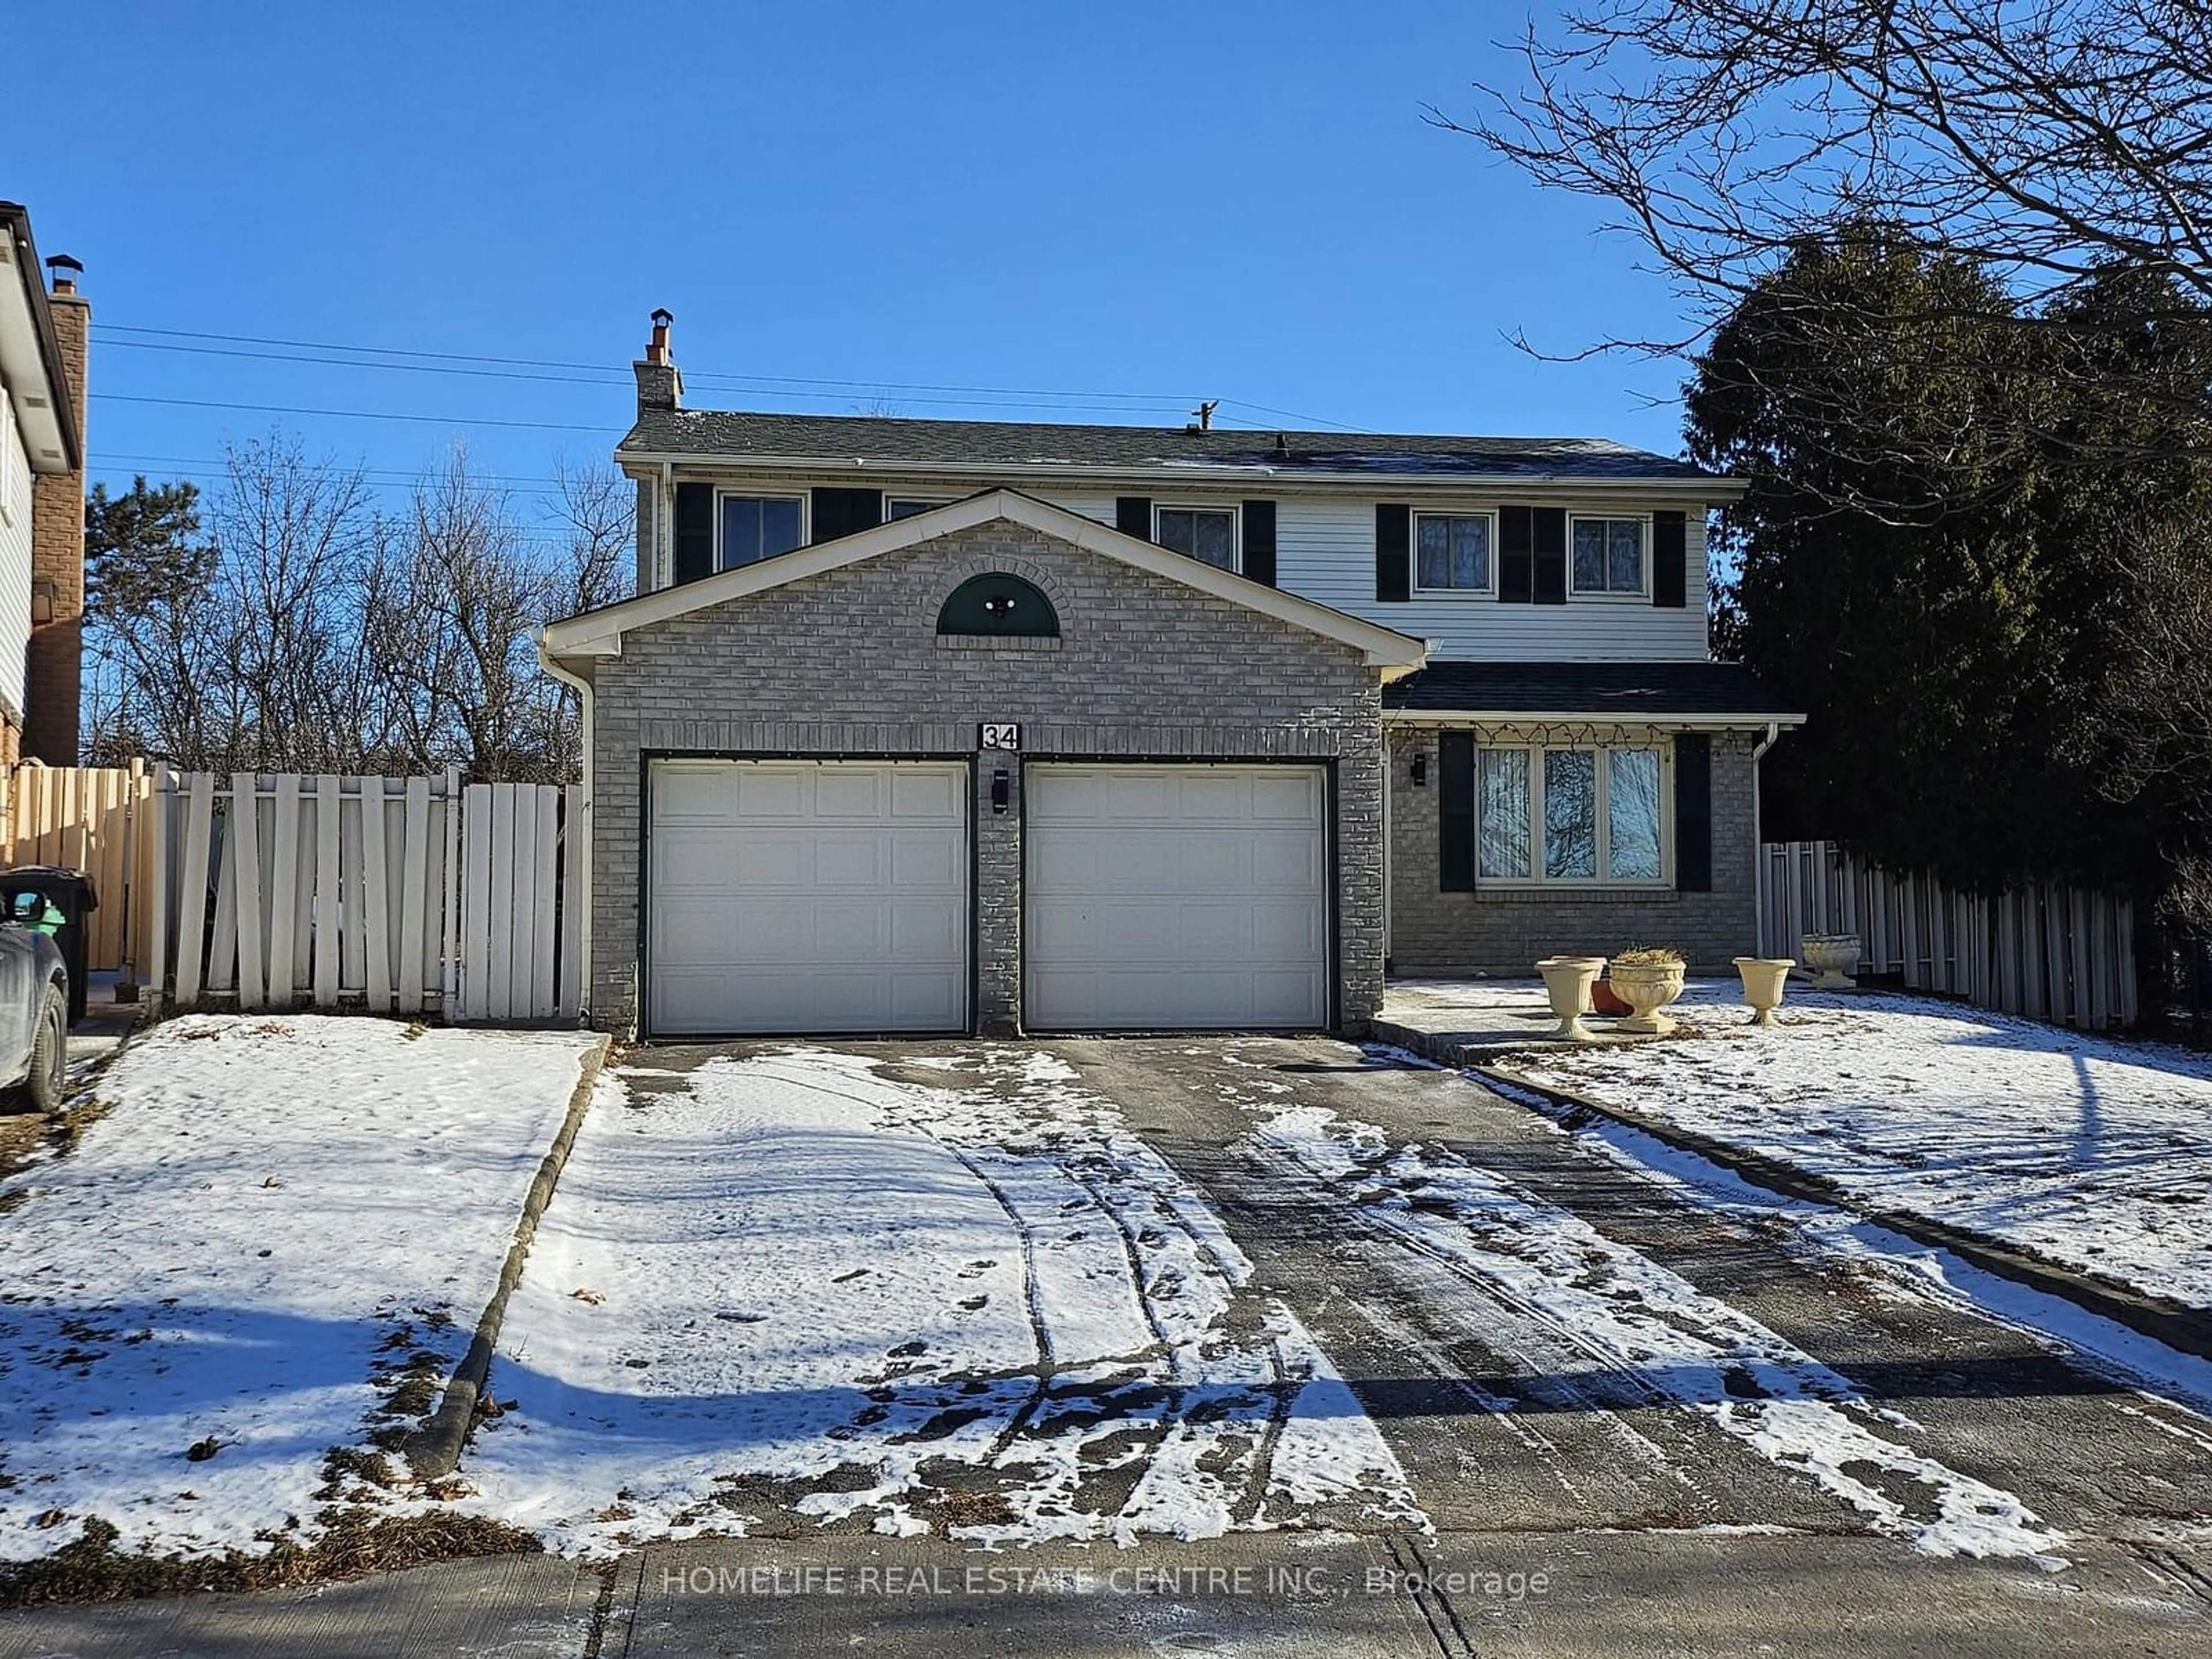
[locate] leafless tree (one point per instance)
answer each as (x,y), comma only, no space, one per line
(309,631)
(2048,142)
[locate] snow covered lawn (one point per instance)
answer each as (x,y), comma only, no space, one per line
(230,1272)
(2091,1153)
(946,1293)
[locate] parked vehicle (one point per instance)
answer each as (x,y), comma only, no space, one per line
(34,1006)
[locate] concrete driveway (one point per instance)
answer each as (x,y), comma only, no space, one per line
(1637,1421)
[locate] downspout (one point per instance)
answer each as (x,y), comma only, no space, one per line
(583,689)
(1758,841)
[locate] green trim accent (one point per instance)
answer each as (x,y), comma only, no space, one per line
(999,606)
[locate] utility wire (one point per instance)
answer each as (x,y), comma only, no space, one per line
(582,374)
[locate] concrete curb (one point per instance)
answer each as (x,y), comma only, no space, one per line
(2180,1327)
(434,1450)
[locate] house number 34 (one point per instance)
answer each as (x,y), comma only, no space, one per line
(1008,736)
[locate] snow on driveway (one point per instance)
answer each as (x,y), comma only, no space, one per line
(1598,1307)
(2091,1153)
(272,1215)
(807,1287)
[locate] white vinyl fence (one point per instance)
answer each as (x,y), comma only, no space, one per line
(2046,952)
(407,896)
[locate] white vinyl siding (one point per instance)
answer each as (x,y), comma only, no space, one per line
(1325,551)
(15,560)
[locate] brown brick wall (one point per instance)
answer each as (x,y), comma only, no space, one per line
(54,664)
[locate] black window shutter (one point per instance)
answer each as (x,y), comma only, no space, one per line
(694,532)
(1516,579)
(1693,813)
(841,512)
(1133,516)
(1393,553)
(1260,541)
(1455,812)
(1669,561)
(1550,524)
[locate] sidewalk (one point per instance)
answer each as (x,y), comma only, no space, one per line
(1549,1595)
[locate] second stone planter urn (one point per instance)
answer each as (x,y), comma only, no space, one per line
(1762,978)
(1831,956)
(1567,981)
(1647,987)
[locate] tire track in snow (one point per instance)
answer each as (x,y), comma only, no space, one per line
(1779,1400)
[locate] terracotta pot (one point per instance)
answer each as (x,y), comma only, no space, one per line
(1604,1002)
(1762,978)
(1567,981)
(1646,991)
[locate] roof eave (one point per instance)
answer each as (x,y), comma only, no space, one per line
(16,227)
(647,462)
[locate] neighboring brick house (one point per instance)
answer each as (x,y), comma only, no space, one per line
(43,339)
(965,726)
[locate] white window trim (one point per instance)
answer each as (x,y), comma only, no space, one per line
(803,498)
(1489,590)
(925,503)
(1599,596)
(1236,515)
(1537,880)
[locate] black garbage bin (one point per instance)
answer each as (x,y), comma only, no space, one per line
(70,892)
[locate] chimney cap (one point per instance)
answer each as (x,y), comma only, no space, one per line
(662,316)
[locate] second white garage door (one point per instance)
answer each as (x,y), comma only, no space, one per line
(808,895)
(1175,897)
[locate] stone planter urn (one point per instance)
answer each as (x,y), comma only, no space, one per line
(1831,956)
(1762,978)
(1647,987)
(1567,981)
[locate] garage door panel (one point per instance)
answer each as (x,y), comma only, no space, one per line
(942,796)
(768,796)
(1175,896)
(1288,931)
(808,896)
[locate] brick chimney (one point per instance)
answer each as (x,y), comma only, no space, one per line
(659,382)
(54,664)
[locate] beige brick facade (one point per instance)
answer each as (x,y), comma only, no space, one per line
(1504,931)
(849,662)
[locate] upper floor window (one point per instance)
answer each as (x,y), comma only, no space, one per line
(1608,556)
(757,527)
(1203,532)
(905,506)
(1451,551)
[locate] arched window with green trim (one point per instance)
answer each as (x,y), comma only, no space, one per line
(999,606)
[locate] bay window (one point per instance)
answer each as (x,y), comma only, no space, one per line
(1591,814)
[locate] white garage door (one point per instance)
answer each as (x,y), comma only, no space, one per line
(808,895)
(1176,897)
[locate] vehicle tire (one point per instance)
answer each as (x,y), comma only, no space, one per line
(47,1081)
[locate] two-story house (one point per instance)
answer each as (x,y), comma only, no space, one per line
(921,725)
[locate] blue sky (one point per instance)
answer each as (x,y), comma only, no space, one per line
(1227,199)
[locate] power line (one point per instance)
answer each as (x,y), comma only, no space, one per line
(353,414)
(579,374)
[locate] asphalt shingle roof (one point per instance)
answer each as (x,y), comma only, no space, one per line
(1016,444)
(1596,689)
